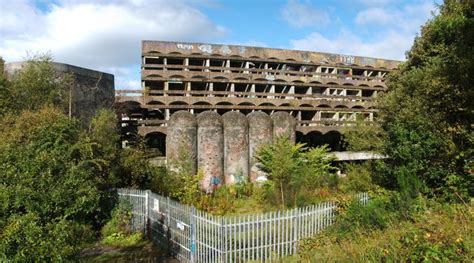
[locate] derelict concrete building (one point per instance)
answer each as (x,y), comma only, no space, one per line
(310,96)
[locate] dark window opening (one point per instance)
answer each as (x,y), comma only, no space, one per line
(154,85)
(176,86)
(351,92)
(199,86)
(154,61)
(175,61)
(367,93)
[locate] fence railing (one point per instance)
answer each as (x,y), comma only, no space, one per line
(196,236)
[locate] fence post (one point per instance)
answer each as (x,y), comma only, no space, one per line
(222,240)
(192,220)
(168,216)
(295,228)
(146,212)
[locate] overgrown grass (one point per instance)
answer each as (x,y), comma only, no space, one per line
(378,233)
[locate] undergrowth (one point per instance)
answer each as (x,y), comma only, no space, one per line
(379,232)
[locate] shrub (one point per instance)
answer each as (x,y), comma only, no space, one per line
(117,231)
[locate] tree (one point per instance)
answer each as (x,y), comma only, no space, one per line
(37,84)
(293,167)
(49,194)
(364,137)
(427,113)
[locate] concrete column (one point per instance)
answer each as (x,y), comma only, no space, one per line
(227,65)
(210,145)
(167,114)
(252,90)
(165,62)
(211,89)
(232,89)
(291,91)
(272,90)
(186,64)
(165,88)
(188,88)
(236,148)
(181,141)
(208,64)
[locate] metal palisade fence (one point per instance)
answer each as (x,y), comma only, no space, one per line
(196,236)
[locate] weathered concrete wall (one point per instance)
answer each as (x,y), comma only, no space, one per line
(93,89)
(181,141)
(284,125)
(236,147)
(210,149)
(260,133)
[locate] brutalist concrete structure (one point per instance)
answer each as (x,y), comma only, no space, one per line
(260,133)
(93,90)
(181,142)
(210,150)
(311,96)
(236,147)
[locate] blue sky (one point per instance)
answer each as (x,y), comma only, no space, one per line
(105,35)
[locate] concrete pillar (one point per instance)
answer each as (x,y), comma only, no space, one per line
(165,62)
(210,150)
(284,125)
(211,89)
(208,64)
(186,64)
(181,141)
(166,88)
(232,89)
(236,148)
(252,90)
(260,133)
(188,88)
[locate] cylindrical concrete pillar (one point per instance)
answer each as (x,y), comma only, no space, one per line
(284,125)
(236,147)
(210,150)
(260,133)
(181,141)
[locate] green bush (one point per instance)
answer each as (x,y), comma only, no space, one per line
(117,231)
(122,240)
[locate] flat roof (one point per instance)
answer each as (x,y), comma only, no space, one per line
(189,48)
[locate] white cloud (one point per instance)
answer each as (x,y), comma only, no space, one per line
(408,17)
(300,15)
(104,35)
(392,32)
(390,46)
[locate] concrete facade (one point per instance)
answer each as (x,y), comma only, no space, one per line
(322,92)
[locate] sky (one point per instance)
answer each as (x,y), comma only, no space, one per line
(106,35)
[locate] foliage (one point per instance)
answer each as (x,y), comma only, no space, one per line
(427,115)
(46,184)
(436,233)
(117,232)
(358,177)
(35,86)
(292,169)
(364,137)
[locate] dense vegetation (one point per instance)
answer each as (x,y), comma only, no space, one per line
(424,212)
(56,176)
